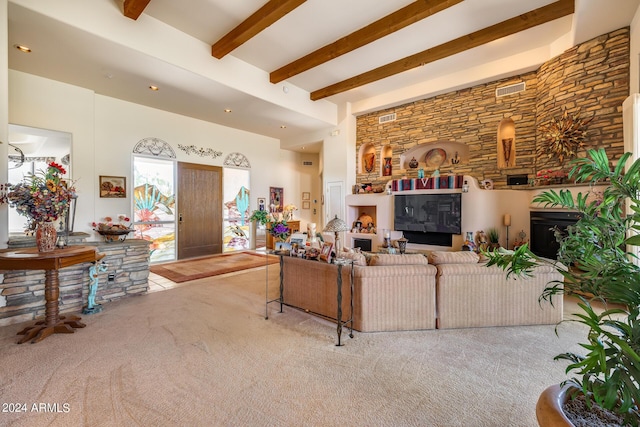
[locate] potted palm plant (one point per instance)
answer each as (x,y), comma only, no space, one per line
(598,265)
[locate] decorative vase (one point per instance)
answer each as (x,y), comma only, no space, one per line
(386,171)
(46,236)
(402,244)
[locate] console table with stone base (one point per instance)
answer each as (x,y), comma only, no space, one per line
(51,262)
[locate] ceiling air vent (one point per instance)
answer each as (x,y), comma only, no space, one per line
(387,118)
(510,90)
(307,163)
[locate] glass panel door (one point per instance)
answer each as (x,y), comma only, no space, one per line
(236,226)
(154,206)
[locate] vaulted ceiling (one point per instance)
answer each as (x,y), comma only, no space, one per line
(286,67)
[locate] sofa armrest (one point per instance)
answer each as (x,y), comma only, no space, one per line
(394,297)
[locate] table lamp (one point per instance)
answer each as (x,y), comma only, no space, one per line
(336,225)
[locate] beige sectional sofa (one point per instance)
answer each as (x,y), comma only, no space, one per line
(392,293)
(414,292)
(470,294)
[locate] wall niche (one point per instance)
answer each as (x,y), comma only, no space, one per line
(506,144)
(366,158)
(430,154)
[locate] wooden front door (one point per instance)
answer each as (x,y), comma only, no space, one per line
(199,210)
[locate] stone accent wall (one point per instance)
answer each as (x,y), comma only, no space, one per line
(593,76)
(22,291)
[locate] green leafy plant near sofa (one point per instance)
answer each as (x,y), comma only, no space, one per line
(597,250)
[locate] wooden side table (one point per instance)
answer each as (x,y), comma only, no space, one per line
(51,262)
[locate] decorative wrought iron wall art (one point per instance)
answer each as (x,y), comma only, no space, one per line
(202,152)
(238,160)
(155,147)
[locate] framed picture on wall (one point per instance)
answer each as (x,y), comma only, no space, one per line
(306,195)
(113,186)
(276,199)
(262,204)
(306,204)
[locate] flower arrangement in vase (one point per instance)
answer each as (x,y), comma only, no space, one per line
(42,197)
(287,213)
(280,230)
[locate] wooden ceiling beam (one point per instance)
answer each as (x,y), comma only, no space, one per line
(134,8)
(511,26)
(264,17)
(391,23)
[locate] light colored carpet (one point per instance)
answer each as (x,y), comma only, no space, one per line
(198,268)
(203,355)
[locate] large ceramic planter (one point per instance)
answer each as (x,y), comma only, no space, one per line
(549,407)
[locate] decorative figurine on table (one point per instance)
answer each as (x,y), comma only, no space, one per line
(520,240)
(469,244)
(481,240)
(92,307)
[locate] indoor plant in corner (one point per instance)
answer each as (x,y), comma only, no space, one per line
(601,267)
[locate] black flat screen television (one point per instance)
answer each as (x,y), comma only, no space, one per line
(428,213)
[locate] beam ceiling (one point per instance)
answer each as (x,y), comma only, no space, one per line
(133,8)
(395,21)
(511,26)
(261,19)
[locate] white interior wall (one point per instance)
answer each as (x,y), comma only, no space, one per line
(49,104)
(105,131)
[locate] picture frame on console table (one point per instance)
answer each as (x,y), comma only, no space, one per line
(325,253)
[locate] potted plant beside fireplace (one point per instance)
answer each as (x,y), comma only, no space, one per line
(596,260)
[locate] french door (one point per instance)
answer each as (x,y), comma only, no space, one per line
(154,205)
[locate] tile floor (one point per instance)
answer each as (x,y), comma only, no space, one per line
(159,283)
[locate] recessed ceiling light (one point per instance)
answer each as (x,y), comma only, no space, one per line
(283,127)
(227,110)
(22,48)
(154,88)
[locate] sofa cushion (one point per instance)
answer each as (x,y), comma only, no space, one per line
(461,257)
(399,259)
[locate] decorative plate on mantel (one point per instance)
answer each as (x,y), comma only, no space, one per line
(435,157)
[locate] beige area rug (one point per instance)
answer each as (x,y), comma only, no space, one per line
(202,355)
(192,269)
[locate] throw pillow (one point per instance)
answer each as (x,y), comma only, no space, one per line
(463,257)
(357,258)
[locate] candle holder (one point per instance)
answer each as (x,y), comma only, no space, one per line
(386,243)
